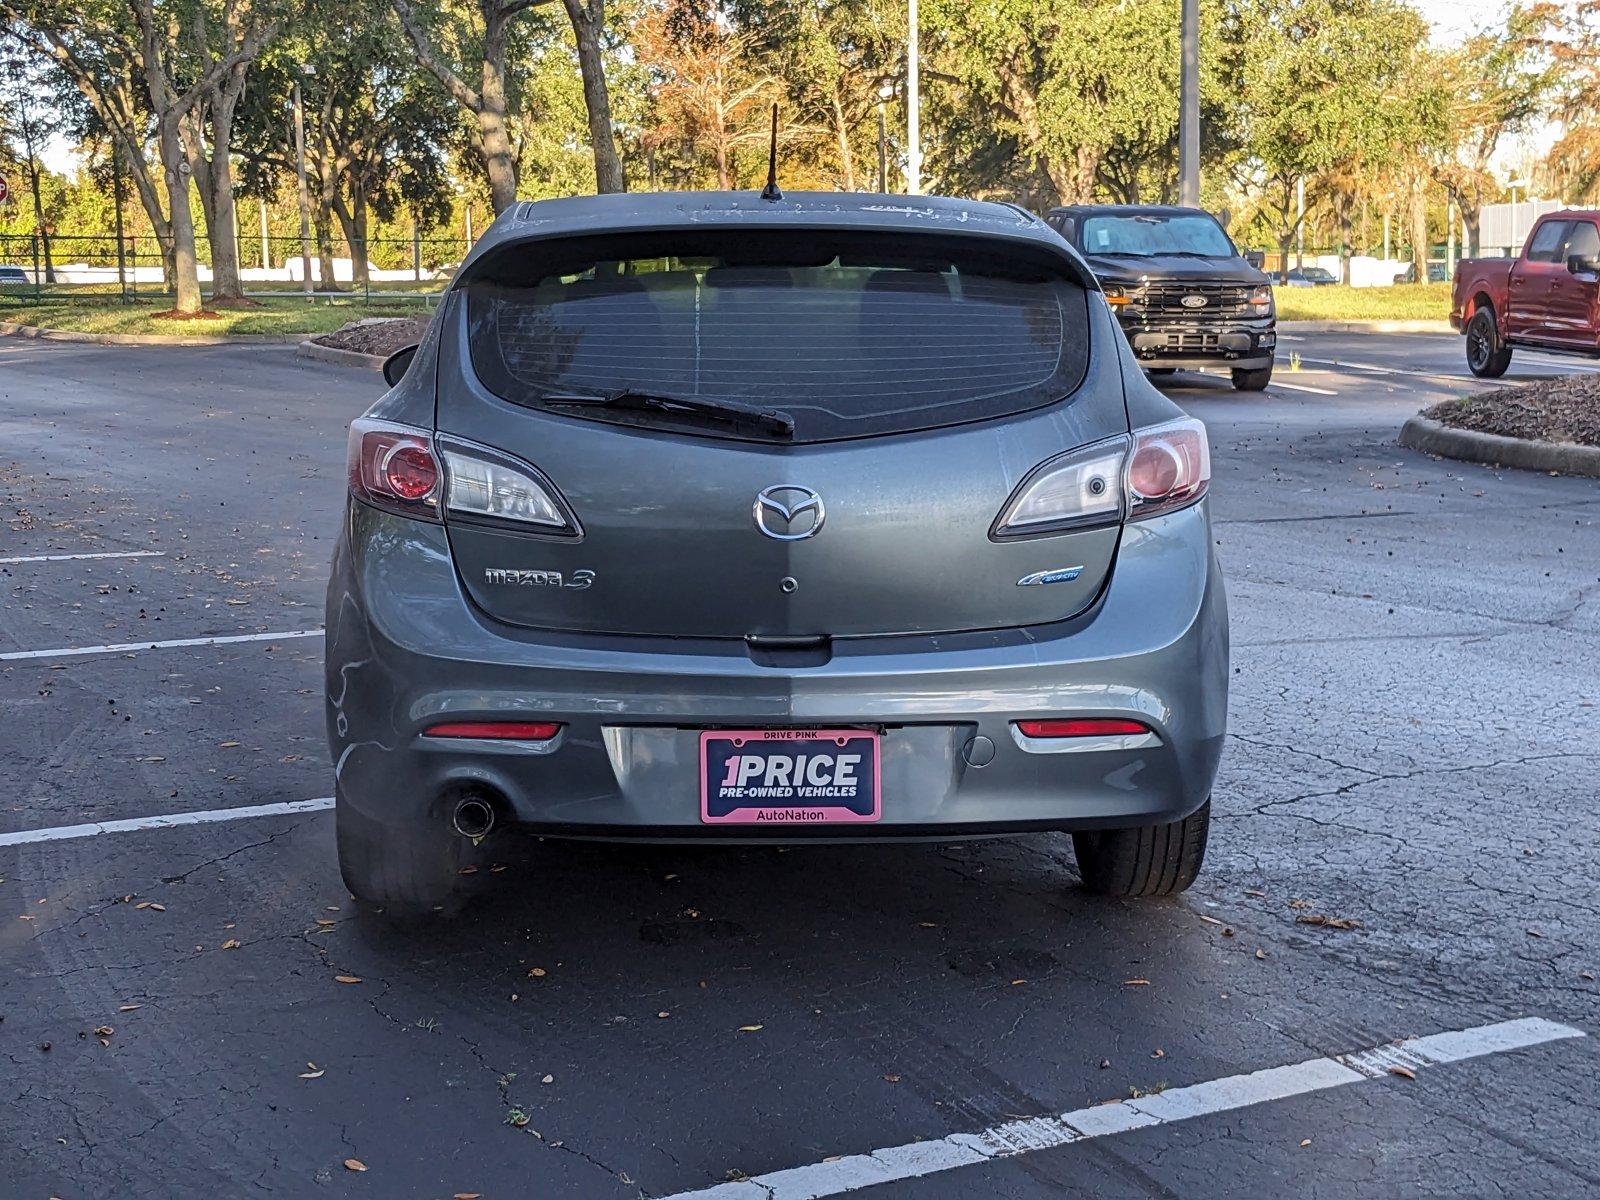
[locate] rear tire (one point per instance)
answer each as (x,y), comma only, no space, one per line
(406,870)
(1252,381)
(1160,372)
(1148,860)
(1487,357)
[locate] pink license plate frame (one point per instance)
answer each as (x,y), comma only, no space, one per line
(735,792)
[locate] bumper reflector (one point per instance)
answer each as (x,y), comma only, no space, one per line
(503,731)
(1081,727)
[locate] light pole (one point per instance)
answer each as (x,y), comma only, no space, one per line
(305,194)
(913,108)
(1189,106)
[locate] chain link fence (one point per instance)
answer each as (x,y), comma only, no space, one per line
(103,268)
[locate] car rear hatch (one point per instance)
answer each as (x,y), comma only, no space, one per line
(771,435)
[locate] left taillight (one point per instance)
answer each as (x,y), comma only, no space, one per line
(393,466)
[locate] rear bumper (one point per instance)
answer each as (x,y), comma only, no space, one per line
(406,648)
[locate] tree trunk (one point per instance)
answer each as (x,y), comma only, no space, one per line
(38,216)
(1344,238)
(353,219)
(1473,216)
(722,163)
(185,270)
(841,128)
(494,141)
(588,20)
(1284,244)
(225,282)
(1419,229)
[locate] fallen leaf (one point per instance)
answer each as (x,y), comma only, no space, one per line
(354,1164)
(1018,982)
(1535,933)
(326,921)
(230,746)
(129,1007)
(891,1079)
(1403,1072)
(466,1196)
(1135,983)
(1158,1053)
(663,1015)
(750,1028)
(548,1079)
(1209,920)
(157,907)
(1262,954)
(1254,892)
(347,979)
(537,972)
(315,1072)
(231,944)
(1304,1143)
(103,1031)
(1330,922)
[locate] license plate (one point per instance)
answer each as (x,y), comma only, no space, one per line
(788,776)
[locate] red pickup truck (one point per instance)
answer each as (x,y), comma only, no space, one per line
(1547,297)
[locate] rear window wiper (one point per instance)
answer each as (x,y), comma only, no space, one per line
(728,412)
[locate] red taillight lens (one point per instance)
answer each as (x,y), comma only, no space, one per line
(1170,467)
(392,466)
(1081,727)
(410,472)
(500,731)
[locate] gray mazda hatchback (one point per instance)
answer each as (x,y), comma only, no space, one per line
(709,517)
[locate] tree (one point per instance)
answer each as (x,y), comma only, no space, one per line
(1494,85)
(128,59)
(1062,80)
(458,37)
(22,83)
(1331,92)
(709,91)
(833,56)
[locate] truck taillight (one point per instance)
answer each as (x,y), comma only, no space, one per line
(393,467)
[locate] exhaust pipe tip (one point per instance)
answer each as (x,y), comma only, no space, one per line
(473,817)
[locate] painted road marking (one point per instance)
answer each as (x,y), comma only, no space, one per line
(62,833)
(27,558)
(916,1159)
(127,647)
(1303,387)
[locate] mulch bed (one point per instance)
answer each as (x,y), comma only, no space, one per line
(1549,410)
(376,335)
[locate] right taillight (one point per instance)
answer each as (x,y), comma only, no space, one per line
(392,466)
(1168,467)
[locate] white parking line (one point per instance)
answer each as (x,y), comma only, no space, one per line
(28,558)
(916,1159)
(126,647)
(61,833)
(1303,387)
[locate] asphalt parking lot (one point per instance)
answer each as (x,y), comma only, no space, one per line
(1404,847)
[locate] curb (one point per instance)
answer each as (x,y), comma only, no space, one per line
(1491,449)
(339,358)
(146,339)
(1439,326)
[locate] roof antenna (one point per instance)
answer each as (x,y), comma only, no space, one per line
(772,191)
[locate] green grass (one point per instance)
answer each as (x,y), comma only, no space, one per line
(281,316)
(1402,302)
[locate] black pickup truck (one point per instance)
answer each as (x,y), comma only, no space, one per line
(1184,295)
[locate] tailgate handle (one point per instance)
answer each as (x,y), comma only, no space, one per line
(765,651)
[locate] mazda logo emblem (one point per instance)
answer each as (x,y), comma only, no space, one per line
(788,512)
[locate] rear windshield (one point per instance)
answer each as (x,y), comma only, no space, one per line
(1147,235)
(847,336)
